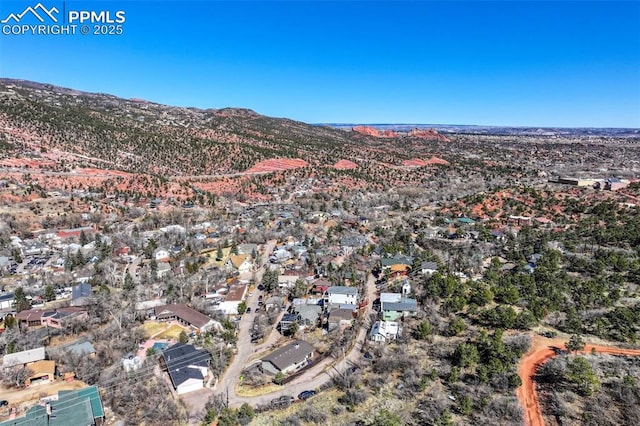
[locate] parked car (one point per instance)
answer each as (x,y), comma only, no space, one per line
(3,402)
(248,310)
(282,401)
(306,394)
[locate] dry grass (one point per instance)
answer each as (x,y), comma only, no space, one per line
(151,328)
(173,332)
(257,390)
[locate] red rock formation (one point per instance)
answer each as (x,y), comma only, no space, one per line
(345,165)
(366,130)
(370,131)
(417,162)
(277,164)
(427,134)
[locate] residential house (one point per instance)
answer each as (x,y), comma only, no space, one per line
(70,407)
(288,321)
(289,358)
(29,317)
(350,243)
(249,249)
(131,362)
(397,260)
(185,315)
(394,306)
(287,280)
(161,255)
(42,371)
(81,294)
(235,295)
(241,262)
(163,269)
(75,232)
(341,316)
(429,268)
(187,366)
(341,295)
(309,314)
(7,300)
(385,331)
(24,357)
(60,318)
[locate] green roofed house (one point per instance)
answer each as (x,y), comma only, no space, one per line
(71,407)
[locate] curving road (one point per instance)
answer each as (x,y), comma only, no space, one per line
(541,351)
(313,378)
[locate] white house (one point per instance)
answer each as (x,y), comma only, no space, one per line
(131,362)
(161,255)
(385,331)
(6,300)
(341,295)
(242,263)
(187,366)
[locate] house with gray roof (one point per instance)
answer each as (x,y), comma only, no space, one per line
(187,366)
(289,358)
(341,295)
(392,310)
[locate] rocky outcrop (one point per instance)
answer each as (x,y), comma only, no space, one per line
(277,164)
(427,134)
(345,165)
(417,162)
(370,131)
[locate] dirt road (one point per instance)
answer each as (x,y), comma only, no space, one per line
(541,351)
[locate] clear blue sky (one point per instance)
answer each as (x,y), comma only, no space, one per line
(542,63)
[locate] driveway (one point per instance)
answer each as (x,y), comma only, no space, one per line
(313,378)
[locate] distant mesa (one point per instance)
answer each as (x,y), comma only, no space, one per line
(370,131)
(418,162)
(276,165)
(345,165)
(427,134)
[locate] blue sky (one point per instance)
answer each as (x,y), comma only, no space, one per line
(542,63)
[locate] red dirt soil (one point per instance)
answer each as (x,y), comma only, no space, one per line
(417,162)
(541,351)
(345,165)
(277,164)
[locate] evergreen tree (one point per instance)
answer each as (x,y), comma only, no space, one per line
(21,301)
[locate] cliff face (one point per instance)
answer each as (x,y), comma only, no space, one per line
(370,131)
(427,134)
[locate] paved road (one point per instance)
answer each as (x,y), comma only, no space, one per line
(313,378)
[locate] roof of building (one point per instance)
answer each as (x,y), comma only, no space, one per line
(31,315)
(385,328)
(390,297)
(341,314)
(238,260)
(42,367)
(403,305)
(236,293)
(73,407)
(339,289)
(183,312)
(6,296)
(429,265)
(397,260)
(24,357)
(81,290)
(294,353)
(179,359)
